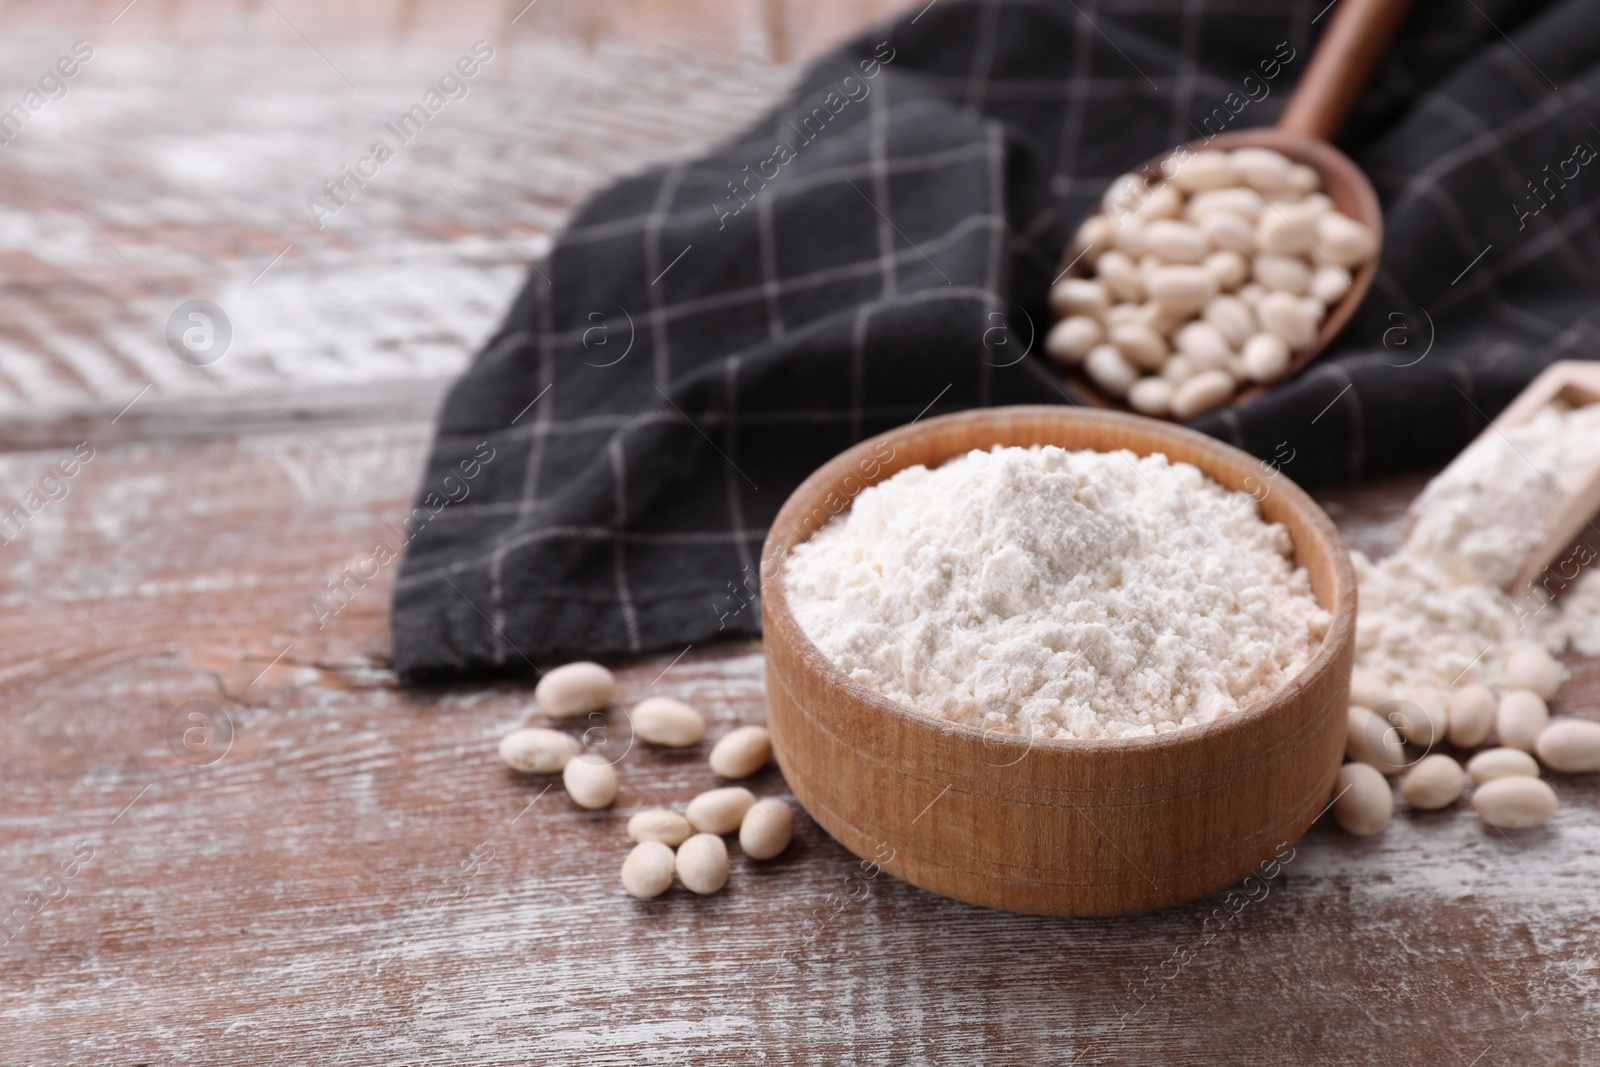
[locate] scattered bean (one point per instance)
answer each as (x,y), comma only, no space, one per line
(1494,763)
(1435,782)
(1363,801)
(590,782)
(1571,746)
(1522,718)
(767,829)
(703,863)
(742,752)
(1422,715)
(1515,803)
(1368,689)
(1471,709)
(1531,667)
(537,750)
(659,824)
(719,811)
(668,722)
(574,689)
(1370,739)
(647,872)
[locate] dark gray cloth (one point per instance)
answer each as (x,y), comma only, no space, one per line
(880,247)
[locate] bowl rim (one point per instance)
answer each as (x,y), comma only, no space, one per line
(775,605)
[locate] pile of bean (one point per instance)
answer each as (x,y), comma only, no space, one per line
(700,861)
(1205,282)
(1507,789)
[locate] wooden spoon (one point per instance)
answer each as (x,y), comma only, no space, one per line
(1356,37)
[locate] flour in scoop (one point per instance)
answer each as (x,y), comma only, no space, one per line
(1075,594)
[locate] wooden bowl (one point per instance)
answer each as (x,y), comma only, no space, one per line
(1061,827)
(1345,185)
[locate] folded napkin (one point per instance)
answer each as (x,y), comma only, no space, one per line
(879,249)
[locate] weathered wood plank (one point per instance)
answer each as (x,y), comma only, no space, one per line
(303,900)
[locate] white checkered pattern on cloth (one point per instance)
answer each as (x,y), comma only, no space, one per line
(899,262)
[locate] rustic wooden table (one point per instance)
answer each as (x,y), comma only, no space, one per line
(354,878)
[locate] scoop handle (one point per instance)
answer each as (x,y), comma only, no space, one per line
(1356,37)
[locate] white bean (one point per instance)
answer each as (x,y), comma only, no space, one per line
(659,824)
(1129,235)
(1125,193)
(1364,802)
(1141,345)
(667,722)
(1121,276)
(1094,237)
(1183,288)
(1523,716)
(1422,714)
(647,872)
(1230,269)
(1233,317)
(1241,201)
(1515,803)
(1368,689)
(1571,746)
(1266,357)
(1251,292)
(1330,283)
(574,689)
(1267,172)
(719,811)
(1285,274)
(1494,763)
(1314,309)
(1344,241)
(1531,667)
(1205,170)
(1281,313)
(1071,339)
(741,752)
(767,829)
(703,864)
(1288,229)
(1207,390)
(1228,231)
(1164,202)
(1370,739)
(1151,395)
(1179,369)
(1435,782)
(1203,342)
(1176,242)
(1078,296)
(1107,368)
(1471,709)
(590,782)
(536,750)
(1304,179)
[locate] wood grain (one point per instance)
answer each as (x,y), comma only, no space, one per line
(303,901)
(1057,826)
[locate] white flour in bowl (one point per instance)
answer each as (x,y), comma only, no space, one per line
(1079,594)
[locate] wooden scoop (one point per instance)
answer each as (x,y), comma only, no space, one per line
(1357,35)
(1578,384)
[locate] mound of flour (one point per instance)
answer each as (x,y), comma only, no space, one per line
(1434,613)
(1081,594)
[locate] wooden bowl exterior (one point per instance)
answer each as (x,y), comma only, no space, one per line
(1063,827)
(1352,195)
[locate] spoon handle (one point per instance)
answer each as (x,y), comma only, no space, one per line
(1350,47)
